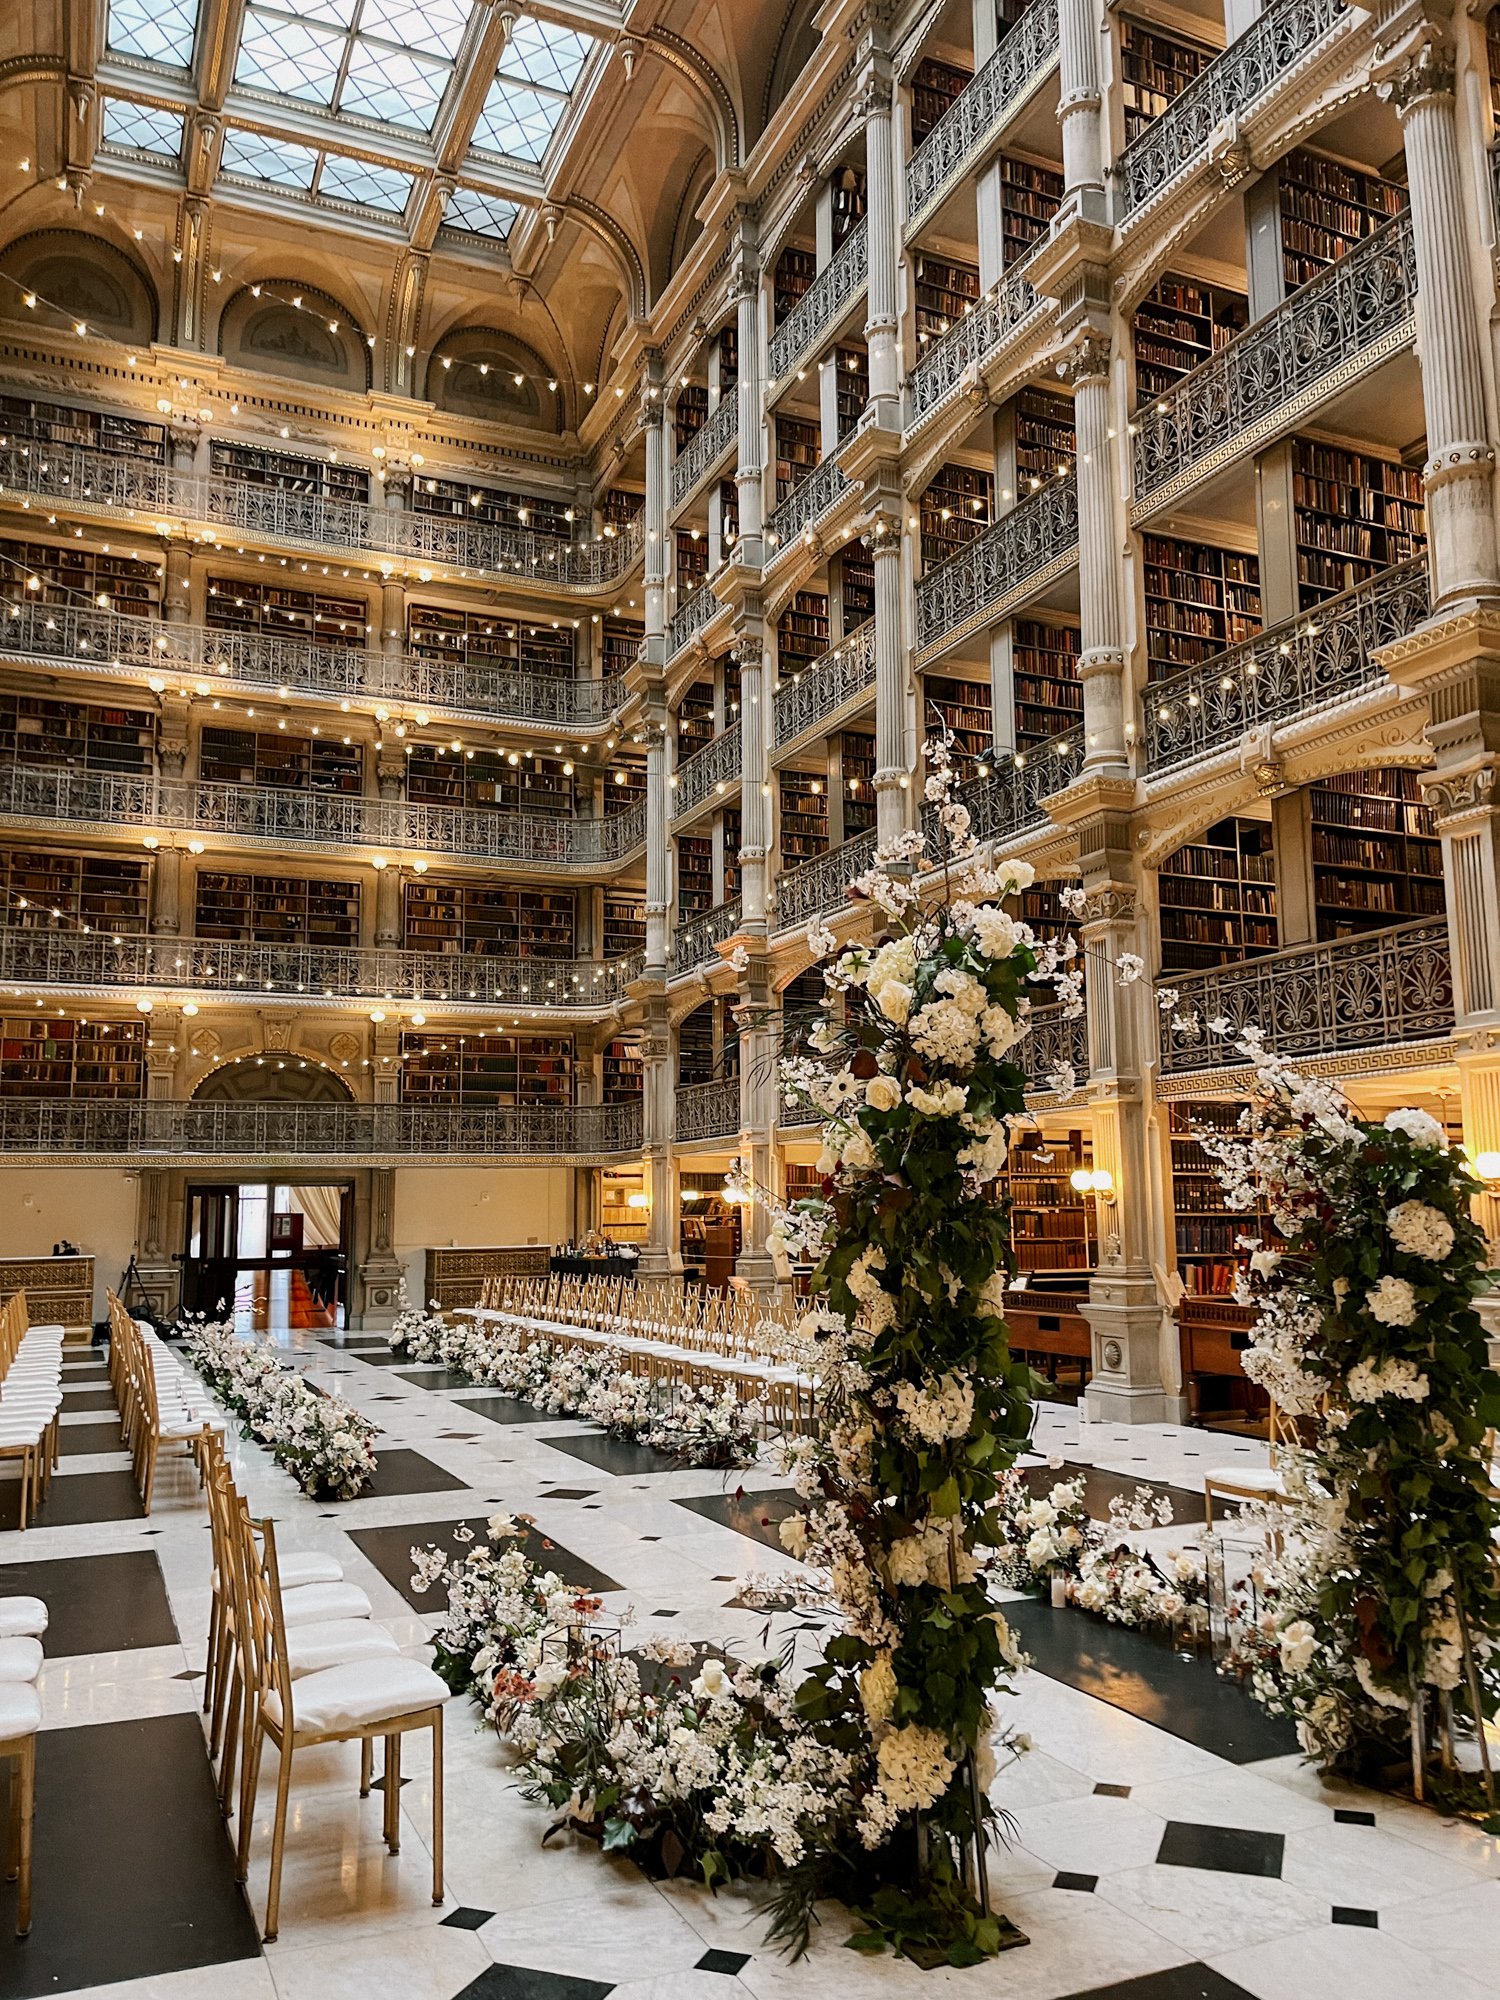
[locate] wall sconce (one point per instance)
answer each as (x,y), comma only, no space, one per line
(1487,1166)
(638,1200)
(1100,1182)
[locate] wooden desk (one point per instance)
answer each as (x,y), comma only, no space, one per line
(456,1277)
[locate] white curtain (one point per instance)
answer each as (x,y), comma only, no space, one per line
(323,1208)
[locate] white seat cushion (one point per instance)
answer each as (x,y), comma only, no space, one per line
(20,1659)
(21,1709)
(295,1566)
(1256,1478)
(22,1617)
(354,1696)
(315,1603)
(337,1642)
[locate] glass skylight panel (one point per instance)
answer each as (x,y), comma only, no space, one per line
(280,163)
(290,58)
(480,214)
(540,52)
(158,30)
(537,71)
(344,179)
(142,128)
(385,59)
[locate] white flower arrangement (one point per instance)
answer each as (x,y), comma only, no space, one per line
(324,1442)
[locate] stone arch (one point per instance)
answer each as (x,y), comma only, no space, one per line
(494,394)
(316,341)
(84,276)
(269,1077)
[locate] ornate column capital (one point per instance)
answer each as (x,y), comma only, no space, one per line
(1087,359)
(1418,68)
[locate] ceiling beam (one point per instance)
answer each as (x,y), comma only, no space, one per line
(217,49)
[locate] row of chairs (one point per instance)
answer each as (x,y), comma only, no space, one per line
(295,1658)
(718,1322)
(30,1399)
(23,1620)
(161,1402)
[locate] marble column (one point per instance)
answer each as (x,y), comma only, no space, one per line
(1078,108)
(893,751)
(883,239)
(1101,666)
(750,467)
(755,804)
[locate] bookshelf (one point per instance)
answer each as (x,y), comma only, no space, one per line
(486,1070)
(275,909)
(695,875)
(858,572)
(91,430)
(794,273)
(287,472)
(620,506)
(1030,195)
(857,752)
(1206,1228)
(957,507)
(934,85)
(967,709)
(488,780)
(1179,325)
(853,387)
(801,633)
(65,573)
(1218,897)
(1045,438)
(1049,1228)
(41,735)
(731,671)
(482,920)
(729,512)
(1356,515)
(626,781)
(734,834)
(298,763)
(456,499)
(692,562)
(624,922)
(624,1073)
(1376,859)
(620,644)
(94,889)
(945,291)
(804,816)
(729,359)
(1199,600)
(63,1058)
(1041,907)
(689,415)
(849,198)
(480,638)
(1155,68)
(1047,692)
(1326,209)
(235,605)
(695,719)
(695,1046)
(797,453)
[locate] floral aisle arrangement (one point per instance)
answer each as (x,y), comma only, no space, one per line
(415,1333)
(706,1427)
(1386,1600)
(324,1442)
(1049,1537)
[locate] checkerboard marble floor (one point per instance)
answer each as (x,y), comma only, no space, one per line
(1167,1845)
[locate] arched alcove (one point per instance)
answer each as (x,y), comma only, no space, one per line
(83,276)
(497,377)
(271,1079)
(317,341)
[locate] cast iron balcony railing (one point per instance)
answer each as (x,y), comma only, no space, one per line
(821,690)
(819,887)
(92,640)
(706,447)
(695,942)
(689,619)
(1351,316)
(711,770)
(1053,1043)
(1019,554)
(707,1110)
(266,813)
(1009,800)
(982,109)
(1221,94)
(75,479)
(98,961)
(160,1130)
(966,348)
(1321,656)
(808,501)
(1377,991)
(823,304)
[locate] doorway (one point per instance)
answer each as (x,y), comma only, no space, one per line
(273,1254)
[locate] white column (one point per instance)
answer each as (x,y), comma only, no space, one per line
(654,419)
(1078,100)
(892,753)
(1102,665)
(749,477)
(882,319)
(755,805)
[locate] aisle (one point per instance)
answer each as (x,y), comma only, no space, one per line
(1159,1859)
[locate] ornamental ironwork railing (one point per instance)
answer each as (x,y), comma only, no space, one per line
(807,502)
(1054,1045)
(689,618)
(707,1110)
(1359,310)
(712,769)
(158,1129)
(1319,657)
(822,689)
(818,887)
(1376,991)
(831,292)
(1009,800)
(77,478)
(253,812)
(1022,550)
(706,447)
(696,941)
(991,97)
(972,339)
(1226,90)
(43,957)
(87,637)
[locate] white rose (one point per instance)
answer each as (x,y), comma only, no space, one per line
(894,1001)
(1298,1644)
(712,1681)
(882,1093)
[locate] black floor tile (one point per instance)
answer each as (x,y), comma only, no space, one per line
(381,1356)
(101,1398)
(466,1920)
(756,1515)
(401,1471)
(1145,1676)
(1229,1850)
(1111,1791)
(1099,1488)
(502,1409)
(78,1497)
(569,1493)
(132,1875)
(730,1962)
(1368,1920)
(355,1342)
(1183,1982)
(621,1456)
(521,1982)
(1344,1816)
(97,1604)
(445,1379)
(390,1551)
(1085,1885)
(79,1439)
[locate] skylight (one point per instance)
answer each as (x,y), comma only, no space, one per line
(479,214)
(255,156)
(282,163)
(385,59)
(158,30)
(533,82)
(141,128)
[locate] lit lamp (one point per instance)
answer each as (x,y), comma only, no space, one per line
(1098,1182)
(1487,1166)
(638,1200)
